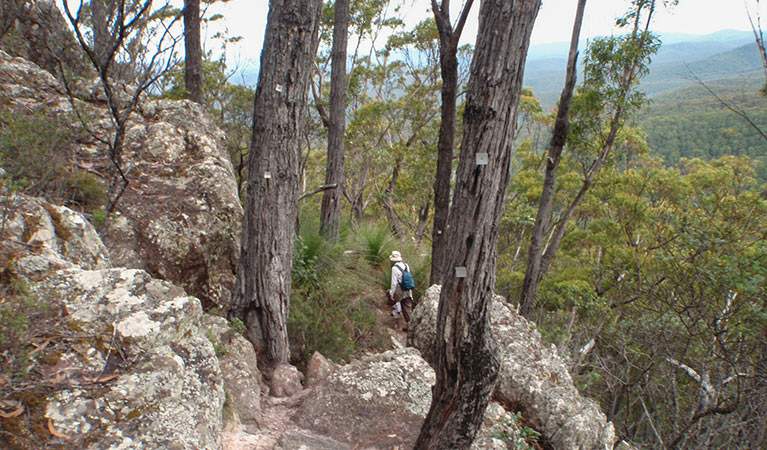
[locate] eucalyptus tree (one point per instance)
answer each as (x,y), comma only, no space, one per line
(467,360)
(659,300)
(449,37)
(262,292)
(556,145)
(609,95)
(330,214)
(366,21)
(192,51)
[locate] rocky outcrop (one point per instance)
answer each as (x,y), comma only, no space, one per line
(158,381)
(40,33)
(239,367)
(39,238)
(380,402)
(132,367)
(180,217)
(533,378)
(318,370)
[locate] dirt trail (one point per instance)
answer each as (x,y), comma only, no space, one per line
(277,413)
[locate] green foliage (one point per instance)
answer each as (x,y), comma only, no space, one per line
(237,325)
(331,310)
(515,434)
(218,347)
(99,217)
(86,190)
(691,123)
(375,242)
(660,265)
(327,319)
(32,152)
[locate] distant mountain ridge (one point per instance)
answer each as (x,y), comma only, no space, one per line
(721,55)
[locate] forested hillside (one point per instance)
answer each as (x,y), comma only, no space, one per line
(684,119)
(693,123)
(627,227)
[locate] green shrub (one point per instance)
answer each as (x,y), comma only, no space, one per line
(328,318)
(218,347)
(32,152)
(86,190)
(237,325)
(99,217)
(329,312)
(375,243)
(515,434)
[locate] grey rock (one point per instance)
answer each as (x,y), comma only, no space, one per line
(239,367)
(376,402)
(304,440)
(286,381)
(318,369)
(180,217)
(163,385)
(181,221)
(423,323)
(41,34)
(533,378)
(499,431)
(44,238)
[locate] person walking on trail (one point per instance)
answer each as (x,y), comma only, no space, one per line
(399,295)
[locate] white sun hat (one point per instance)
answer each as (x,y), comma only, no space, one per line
(395,256)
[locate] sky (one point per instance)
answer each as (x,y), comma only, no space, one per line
(247,18)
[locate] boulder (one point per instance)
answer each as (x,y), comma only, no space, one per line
(318,369)
(155,385)
(375,402)
(239,366)
(130,366)
(25,86)
(41,34)
(499,431)
(39,238)
(286,381)
(380,402)
(179,218)
(533,378)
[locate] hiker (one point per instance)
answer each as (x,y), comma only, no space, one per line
(396,293)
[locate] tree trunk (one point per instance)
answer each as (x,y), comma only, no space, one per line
(388,203)
(467,360)
(262,294)
(330,216)
(423,217)
(102,12)
(556,145)
(448,44)
(193,51)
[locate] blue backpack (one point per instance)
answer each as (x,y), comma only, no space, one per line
(407,283)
